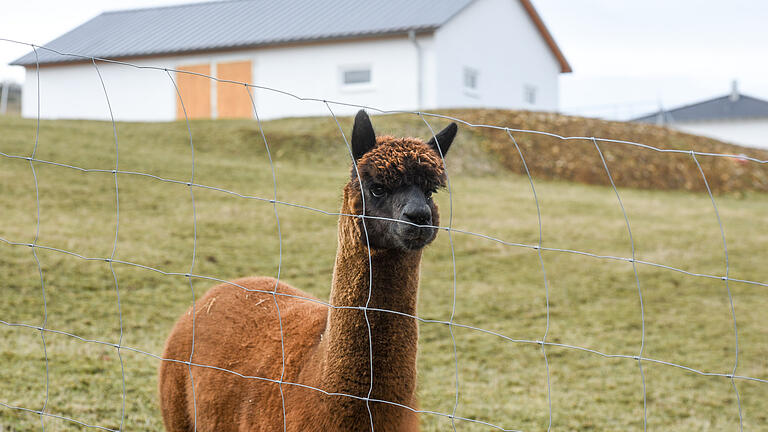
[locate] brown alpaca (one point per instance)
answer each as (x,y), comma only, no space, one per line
(325,348)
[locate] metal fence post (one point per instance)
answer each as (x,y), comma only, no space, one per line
(3,108)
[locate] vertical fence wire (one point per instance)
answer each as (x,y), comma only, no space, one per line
(544,275)
(453,264)
(727,289)
(637,282)
(114,244)
(280,251)
(34,243)
(370,265)
(188,275)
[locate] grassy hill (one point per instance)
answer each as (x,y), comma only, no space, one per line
(552,158)
(593,302)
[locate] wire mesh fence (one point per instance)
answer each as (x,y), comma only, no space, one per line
(544,344)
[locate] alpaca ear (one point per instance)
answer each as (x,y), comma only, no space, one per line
(363,137)
(443,139)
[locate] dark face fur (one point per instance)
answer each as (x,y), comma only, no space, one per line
(399,176)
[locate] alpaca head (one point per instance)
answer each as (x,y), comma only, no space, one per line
(399,176)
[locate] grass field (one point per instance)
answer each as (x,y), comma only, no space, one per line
(594,303)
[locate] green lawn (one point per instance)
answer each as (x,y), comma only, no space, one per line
(594,303)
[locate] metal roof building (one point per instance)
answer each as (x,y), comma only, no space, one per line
(735,118)
(730,107)
(219,25)
(389,54)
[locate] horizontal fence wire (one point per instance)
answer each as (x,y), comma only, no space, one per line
(383,111)
(442,228)
(275,202)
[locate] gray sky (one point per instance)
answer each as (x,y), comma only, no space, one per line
(673,51)
(628,56)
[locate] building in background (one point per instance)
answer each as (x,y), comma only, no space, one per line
(388,54)
(734,118)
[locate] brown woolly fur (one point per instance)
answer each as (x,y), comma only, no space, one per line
(397,161)
(236,326)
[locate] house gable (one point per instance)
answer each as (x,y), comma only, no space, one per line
(493,54)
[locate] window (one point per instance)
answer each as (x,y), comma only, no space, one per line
(356,76)
(529,94)
(470,78)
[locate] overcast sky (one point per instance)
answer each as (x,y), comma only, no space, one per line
(670,51)
(628,56)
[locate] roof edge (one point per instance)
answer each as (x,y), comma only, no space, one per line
(79,58)
(18,62)
(565,67)
(456,13)
(658,112)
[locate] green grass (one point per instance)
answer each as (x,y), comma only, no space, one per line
(594,302)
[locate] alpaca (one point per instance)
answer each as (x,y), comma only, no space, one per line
(325,347)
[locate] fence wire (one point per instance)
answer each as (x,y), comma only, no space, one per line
(451,323)
(117,232)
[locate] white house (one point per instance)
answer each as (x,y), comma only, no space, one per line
(388,54)
(734,118)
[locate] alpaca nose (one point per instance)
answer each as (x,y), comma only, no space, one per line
(418,215)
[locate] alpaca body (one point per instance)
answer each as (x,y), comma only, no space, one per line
(329,355)
(243,328)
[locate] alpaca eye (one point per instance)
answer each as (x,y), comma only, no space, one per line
(378,191)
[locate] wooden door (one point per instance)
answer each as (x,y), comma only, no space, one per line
(195,91)
(232,100)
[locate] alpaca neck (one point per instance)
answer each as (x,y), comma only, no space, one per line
(393,285)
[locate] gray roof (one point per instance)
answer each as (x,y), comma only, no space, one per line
(729,107)
(242,23)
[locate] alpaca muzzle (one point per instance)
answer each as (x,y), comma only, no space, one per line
(415,233)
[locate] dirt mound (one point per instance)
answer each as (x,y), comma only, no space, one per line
(549,157)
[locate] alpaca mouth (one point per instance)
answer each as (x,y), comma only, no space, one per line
(415,237)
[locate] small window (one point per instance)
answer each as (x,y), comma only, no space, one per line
(470,78)
(356,76)
(529,93)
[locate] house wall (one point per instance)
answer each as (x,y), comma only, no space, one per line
(309,71)
(314,71)
(74,91)
(498,39)
(751,133)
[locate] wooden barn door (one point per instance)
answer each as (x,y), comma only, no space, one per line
(232,100)
(195,91)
